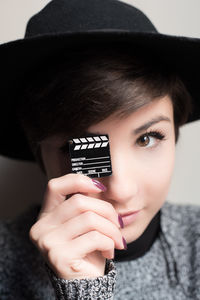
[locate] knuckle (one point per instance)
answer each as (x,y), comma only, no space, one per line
(53,257)
(76,199)
(95,235)
(44,243)
(51,186)
(80,203)
(33,234)
(57,260)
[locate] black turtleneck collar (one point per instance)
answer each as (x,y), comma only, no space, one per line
(140,246)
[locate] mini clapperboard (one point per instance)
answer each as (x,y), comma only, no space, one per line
(91,156)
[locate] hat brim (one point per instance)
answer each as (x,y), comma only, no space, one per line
(20,56)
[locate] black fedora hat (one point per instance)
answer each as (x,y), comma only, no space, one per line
(65,24)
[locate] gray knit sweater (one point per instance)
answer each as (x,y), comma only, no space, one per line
(169,270)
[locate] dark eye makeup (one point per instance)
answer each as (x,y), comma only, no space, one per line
(143,140)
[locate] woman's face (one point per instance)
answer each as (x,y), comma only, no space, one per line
(142,148)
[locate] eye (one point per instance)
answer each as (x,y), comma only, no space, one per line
(148,139)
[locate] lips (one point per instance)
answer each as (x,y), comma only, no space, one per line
(129,213)
(129,217)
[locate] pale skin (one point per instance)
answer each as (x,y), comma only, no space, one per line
(76,235)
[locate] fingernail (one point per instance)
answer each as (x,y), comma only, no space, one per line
(124,242)
(99,185)
(120,221)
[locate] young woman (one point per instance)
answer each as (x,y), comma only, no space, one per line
(115,237)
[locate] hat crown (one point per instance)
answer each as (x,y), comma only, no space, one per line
(60,16)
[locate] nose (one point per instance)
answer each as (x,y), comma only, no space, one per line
(122,185)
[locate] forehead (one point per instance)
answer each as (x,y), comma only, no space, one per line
(159,108)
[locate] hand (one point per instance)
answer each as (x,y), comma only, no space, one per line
(77,235)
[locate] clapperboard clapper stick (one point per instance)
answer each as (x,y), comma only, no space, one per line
(90,156)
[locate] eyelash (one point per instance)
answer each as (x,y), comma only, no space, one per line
(153,133)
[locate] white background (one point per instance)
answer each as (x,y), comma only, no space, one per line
(22,183)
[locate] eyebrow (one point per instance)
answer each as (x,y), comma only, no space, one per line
(150,123)
(137,130)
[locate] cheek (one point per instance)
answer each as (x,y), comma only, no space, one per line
(158,174)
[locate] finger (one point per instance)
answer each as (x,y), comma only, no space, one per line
(78,226)
(58,188)
(92,222)
(79,204)
(69,209)
(109,254)
(90,242)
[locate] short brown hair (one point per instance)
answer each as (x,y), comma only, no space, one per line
(84,87)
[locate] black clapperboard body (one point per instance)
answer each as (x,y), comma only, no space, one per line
(91,156)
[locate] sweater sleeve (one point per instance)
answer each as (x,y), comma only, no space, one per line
(99,288)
